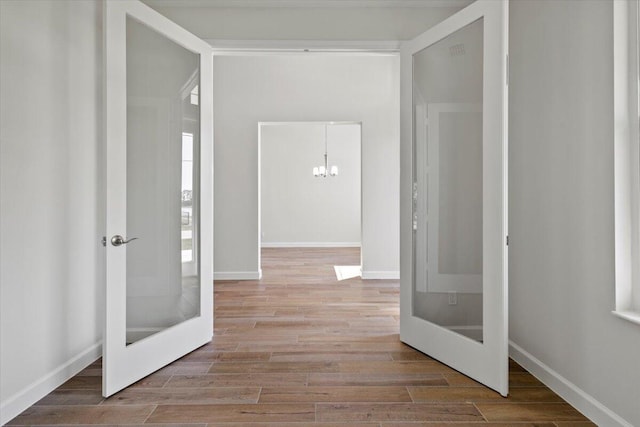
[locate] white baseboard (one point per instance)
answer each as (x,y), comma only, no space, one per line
(388,275)
(310,244)
(14,405)
(574,395)
(237,275)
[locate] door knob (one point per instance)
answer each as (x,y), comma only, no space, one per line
(118,240)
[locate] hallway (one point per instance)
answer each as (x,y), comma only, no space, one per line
(300,348)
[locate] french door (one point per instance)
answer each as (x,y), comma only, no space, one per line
(159,191)
(453,294)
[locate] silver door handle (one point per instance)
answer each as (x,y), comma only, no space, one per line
(118,240)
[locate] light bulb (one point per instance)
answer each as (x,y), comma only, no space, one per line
(315,171)
(334,170)
(323,171)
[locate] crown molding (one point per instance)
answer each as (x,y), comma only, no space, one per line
(306,3)
(304,47)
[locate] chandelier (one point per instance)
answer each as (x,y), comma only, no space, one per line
(323,170)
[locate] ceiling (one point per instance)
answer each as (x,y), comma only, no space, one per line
(307,20)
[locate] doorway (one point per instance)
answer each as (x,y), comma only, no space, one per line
(316,87)
(310,187)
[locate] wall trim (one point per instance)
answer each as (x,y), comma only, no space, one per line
(237,275)
(305,47)
(373,275)
(14,405)
(310,245)
(581,400)
(307,3)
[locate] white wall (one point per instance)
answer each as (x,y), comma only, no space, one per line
(248,90)
(298,209)
(561,246)
(252,89)
(50,213)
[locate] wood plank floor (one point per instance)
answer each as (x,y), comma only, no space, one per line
(299,348)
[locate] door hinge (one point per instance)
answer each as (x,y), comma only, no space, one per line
(507,240)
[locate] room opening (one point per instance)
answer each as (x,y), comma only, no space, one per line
(310,189)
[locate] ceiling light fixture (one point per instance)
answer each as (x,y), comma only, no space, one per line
(323,170)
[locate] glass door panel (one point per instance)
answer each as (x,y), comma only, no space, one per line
(447,103)
(162,284)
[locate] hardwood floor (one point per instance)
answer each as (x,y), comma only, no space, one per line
(299,348)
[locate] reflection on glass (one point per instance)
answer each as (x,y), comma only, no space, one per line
(187,197)
(447,103)
(163,284)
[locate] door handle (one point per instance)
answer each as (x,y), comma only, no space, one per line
(118,240)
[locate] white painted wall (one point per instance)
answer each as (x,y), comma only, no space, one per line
(51,267)
(253,89)
(561,246)
(298,209)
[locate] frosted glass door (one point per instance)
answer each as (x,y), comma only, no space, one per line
(453,288)
(447,100)
(159,167)
(161,290)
